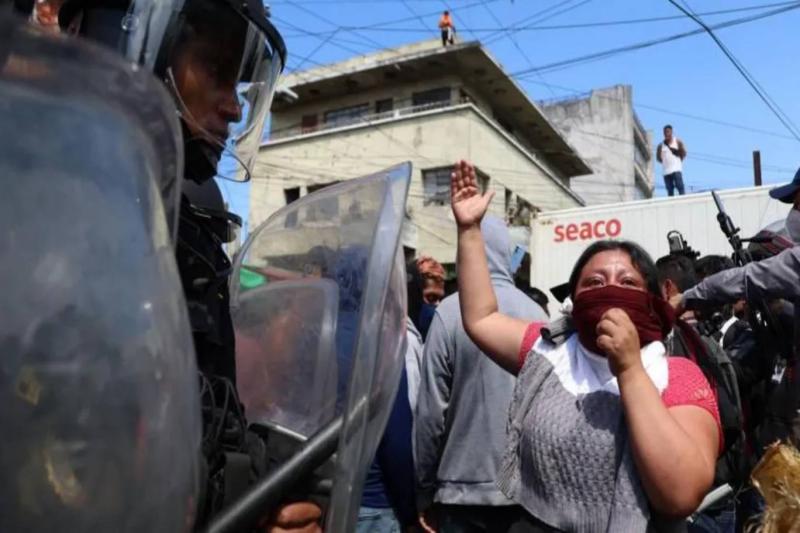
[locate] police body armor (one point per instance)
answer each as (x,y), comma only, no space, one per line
(205,270)
(233,458)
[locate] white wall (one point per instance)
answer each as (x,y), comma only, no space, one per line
(601,128)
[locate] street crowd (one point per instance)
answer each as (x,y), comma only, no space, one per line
(642,405)
(660,383)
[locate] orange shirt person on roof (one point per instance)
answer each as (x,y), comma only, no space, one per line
(448,30)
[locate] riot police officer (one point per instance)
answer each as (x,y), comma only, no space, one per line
(220,60)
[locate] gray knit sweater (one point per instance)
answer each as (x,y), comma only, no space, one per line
(568,460)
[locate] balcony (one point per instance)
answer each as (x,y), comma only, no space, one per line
(640,138)
(365,118)
(641,155)
(642,179)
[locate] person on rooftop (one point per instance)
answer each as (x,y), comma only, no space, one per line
(448,30)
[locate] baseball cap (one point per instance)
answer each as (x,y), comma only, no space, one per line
(786,193)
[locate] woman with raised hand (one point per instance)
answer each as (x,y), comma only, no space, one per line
(606,433)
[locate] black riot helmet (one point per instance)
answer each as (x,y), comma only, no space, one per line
(221,60)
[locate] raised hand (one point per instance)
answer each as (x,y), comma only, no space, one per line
(469,205)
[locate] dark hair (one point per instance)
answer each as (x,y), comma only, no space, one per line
(677,268)
(711,264)
(639,257)
(446,12)
(668,126)
(414,286)
(712,317)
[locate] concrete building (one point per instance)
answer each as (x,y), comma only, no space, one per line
(426,104)
(607,133)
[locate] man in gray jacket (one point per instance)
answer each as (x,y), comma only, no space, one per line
(462,410)
(773,278)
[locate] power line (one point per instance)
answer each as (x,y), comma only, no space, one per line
(337,2)
(514,41)
(419,18)
(544,15)
(294,4)
(377,26)
(290,25)
(566,63)
(587,94)
(537,27)
(305,59)
(391,138)
(338,29)
(716,159)
(749,78)
(711,158)
(457,17)
(559,65)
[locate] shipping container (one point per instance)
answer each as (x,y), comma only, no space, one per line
(559,237)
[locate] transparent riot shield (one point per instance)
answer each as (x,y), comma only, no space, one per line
(318,299)
(98,382)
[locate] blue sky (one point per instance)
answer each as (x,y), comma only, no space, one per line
(687,77)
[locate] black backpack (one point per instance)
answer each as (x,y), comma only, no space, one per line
(718,368)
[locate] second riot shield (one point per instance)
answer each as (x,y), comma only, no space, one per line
(319,309)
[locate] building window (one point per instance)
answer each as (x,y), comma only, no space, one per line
(384,106)
(432,97)
(346,115)
(291,194)
(505,125)
(436,184)
(483,180)
(324,209)
(641,154)
(520,213)
(308,123)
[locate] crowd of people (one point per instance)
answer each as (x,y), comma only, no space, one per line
(659,383)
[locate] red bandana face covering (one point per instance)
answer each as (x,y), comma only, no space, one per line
(652,316)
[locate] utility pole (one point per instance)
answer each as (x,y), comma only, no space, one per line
(757,167)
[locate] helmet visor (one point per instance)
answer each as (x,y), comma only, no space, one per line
(222,69)
(221,59)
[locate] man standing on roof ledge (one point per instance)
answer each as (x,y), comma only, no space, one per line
(448,30)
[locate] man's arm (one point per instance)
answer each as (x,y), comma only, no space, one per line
(776,277)
(658,153)
(432,405)
(681,150)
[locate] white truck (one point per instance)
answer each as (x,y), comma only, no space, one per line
(559,237)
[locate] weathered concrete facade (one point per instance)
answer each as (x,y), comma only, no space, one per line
(424,104)
(605,130)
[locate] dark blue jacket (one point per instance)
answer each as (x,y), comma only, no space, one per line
(390,480)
